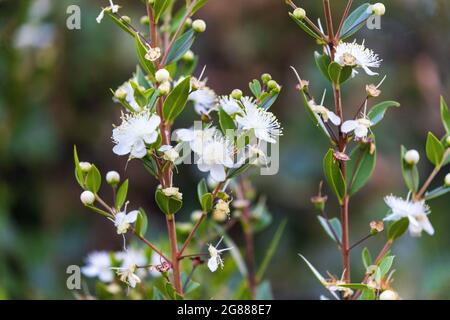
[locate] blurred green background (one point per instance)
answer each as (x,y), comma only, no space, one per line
(54,93)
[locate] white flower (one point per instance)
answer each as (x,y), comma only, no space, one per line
(173,192)
(87,197)
(412,157)
(204,100)
(126,91)
(113,7)
(98,264)
(214,156)
(324,113)
(359,126)
(357,56)
(229,105)
(135,131)
(389,295)
(416,212)
(169,153)
(122,220)
(264,123)
(153,54)
(128,276)
(221,210)
(257,156)
(112,177)
(215,259)
(196,137)
(131,257)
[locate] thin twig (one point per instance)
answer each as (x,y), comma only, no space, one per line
(344,17)
(360,241)
(433,175)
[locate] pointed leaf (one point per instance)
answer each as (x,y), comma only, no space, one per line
(410,173)
(322,63)
(93,180)
(360,167)
(141,223)
(445,115)
(398,228)
(376,114)
(121,195)
(333,223)
(334,176)
(226,122)
(355,21)
(435,150)
(176,100)
(305,28)
(181,46)
(366,258)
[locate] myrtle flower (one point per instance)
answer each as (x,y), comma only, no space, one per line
(123,220)
(158,265)
(264,123)
(216,155)
(134,133)
(324,113)
(196,137)
(416,212)
(257,156)
(215,259)
(229,105)
(357,56)
(173,193)
(113,7)
(169,153)
(98,264)
(221,211)
(126,91)
(359,126)
(204,100)
(153,54)
(131,257)
(128,276)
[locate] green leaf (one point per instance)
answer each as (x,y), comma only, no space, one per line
(377,112)
(93,180)
(141,51)
(271,250)
(385,265)
(438,192)
(398,228)
(355,21)
(79,176)
(141,223)
(366,258)
(354,286)
(410,173)
(207,202)
(232,173)
(338,74)
(255,88)
(226,122)
(435,150)
(335,224)
(360,166)
(334,176)
(159,7)
(304,27)
(121,195)
(202,188)
(445,115)
(268,101)
(367,294)
(151,166)
(198,5)
(121,23)
(100,211)
(264,291)
(322,63)
(176,100)
(181,46)
(168,205)
(157,294)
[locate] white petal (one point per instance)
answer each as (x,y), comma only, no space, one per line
(369,72)
(349,125)
(334,118)
(361,131)
(132,216)
(426,225)
(203,167)
(154,122)
(218,172)
(100,16)
(212,264)
(150,138)
(106,276)
(185,134)
(121,149)
(90,271)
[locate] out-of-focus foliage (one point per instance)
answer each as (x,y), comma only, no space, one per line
(54,92)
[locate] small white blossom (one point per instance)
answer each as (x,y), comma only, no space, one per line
(153,54)
(131,257)
(98,264)
(112,177)
(196,137)
(204,100)
(113,7)
(412,157)
(264,123)
(229,105)
(173,192)
(359,126)
(324,113)
(128,276)
(216,155)
(215,259)
(126,91)
(134,133)
(123,221)
(169,153)
(87,197)
(416,212)
(357,56)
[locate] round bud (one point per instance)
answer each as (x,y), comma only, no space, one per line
(112,177)
(188,22)
(87,198)
(164,88)
(299,13)
(120,94)
(272,84)
(199,25)
(145,20)
(378,9)
(236,94)
(389,295)
(85,166)
(162,75)
(277,89)
(447,140)
(447,180)
(266,77)
(412,157)
(127,19)
(188,56)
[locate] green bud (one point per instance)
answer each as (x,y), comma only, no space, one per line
(299,13)
(199,25)
(145,20)
(272,84)
(236,94)
(266,77)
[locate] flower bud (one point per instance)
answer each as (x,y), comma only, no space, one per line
(188,56)
(389,295)
(378,9)
(376,227)
(236,94)
(272,84)
(372,91)
(127,19)
(162,75)
(412,157)
(164,88)
(144,20)
(447,180)
(299,13)
(199,25)
(173,192)
(120,94)
(87,198)
(85,166)
(112,177)
(266,77)
(221,211)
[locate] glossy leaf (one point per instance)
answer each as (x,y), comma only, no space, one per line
(377,112)
(226,122)
(333,223)
(338,74)
(438,192)
(79,176)
(435,150)
(334,176)
(355,21)
(168,205)
(255,88)
(176,100)
(360,167)
(207,202)
(305,28)
(121,23)
(366,258)
(141,51)
(398,228)
(159,7)
(315,119)
(445,115)
(93,180)
(181,46)
(233,173)
(322,63)
(386,265)
(141,223)
(202,188)
(121,196)
(268,101)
